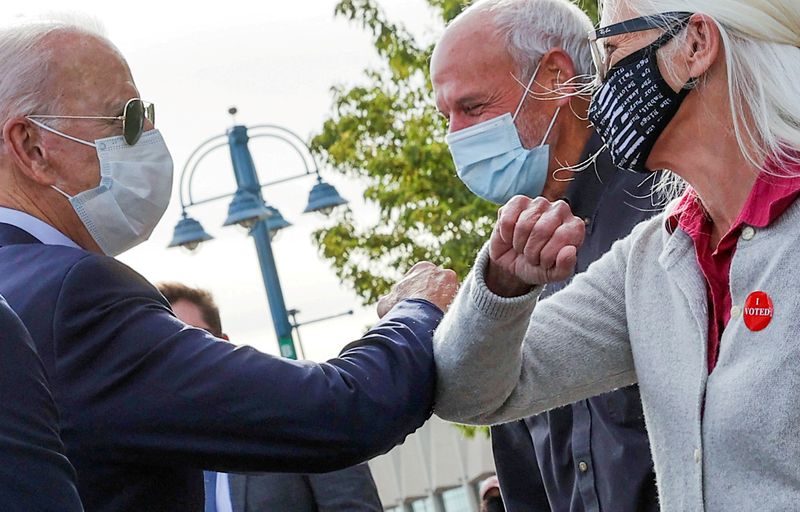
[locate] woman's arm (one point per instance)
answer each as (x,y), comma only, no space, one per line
(500,359)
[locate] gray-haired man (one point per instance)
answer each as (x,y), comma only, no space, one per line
(592,455)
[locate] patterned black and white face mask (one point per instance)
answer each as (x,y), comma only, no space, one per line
(634,106)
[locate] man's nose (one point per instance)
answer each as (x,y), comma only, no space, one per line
(460,122)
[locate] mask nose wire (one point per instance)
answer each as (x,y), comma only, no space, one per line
(527,91)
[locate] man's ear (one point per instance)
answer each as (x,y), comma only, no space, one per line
(24,146)
(556,69)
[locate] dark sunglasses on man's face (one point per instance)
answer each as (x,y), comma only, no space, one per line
(670,21)
(133,117)
(136,111)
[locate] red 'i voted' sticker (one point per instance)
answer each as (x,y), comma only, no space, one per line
(758,311)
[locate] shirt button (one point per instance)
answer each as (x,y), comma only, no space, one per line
(698,455)
(748,232)
(736,312)
(584,467)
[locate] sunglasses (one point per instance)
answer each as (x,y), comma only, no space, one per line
(133,116)
(673,22)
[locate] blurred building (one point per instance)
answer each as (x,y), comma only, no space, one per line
(436,470)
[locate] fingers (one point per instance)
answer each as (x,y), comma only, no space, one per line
(423,281)
(542,232)
(532,238)
(420,266)
(442,288)
(508,215)
(384,305)
(569,233)
(565,264)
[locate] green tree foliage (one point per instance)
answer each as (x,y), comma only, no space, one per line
(589,7)
(389,135)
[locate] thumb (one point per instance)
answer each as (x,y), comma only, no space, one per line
(566,260)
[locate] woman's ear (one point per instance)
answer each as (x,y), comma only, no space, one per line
(24,147)
(703,45)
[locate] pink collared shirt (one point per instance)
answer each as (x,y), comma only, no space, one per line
(768,199)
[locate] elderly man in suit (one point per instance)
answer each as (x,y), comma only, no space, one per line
(348,489)
(35,475)
(146,401)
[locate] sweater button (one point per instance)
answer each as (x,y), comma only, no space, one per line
(698,455)
(748,232)
(736,312)
(584,467)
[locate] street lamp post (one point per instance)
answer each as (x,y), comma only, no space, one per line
(248,209)
(247,179)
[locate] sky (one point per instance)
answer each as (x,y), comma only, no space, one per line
(276,61)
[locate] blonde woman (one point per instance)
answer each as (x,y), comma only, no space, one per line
(700,306)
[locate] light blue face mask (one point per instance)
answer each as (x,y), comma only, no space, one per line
(134,191)
(491,161)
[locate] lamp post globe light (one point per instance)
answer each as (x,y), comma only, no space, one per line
(249,210)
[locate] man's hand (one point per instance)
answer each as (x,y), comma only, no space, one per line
(424,281)
(534,242)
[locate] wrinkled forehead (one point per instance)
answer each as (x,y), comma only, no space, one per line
(85,71)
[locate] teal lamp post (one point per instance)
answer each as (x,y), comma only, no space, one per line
(249,210)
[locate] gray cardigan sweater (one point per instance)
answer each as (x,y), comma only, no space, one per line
(728,441)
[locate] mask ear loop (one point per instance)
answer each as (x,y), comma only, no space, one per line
(70,137)
(53,130)
(550,128)
(527,91)
(69,197)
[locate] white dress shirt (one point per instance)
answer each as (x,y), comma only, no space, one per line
(223,493)
(39,229)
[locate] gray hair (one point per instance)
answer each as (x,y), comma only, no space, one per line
(531,28)
(27,62)
(761,41)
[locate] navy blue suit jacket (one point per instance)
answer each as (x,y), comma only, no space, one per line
(35,475)
(146,401)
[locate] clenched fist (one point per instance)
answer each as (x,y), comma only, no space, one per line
(534,242)
(424,281)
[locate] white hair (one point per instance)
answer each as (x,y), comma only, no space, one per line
(761,41)
(25,81)
(531,28)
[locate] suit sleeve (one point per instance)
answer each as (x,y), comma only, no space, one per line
(151,389)
(35,475)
